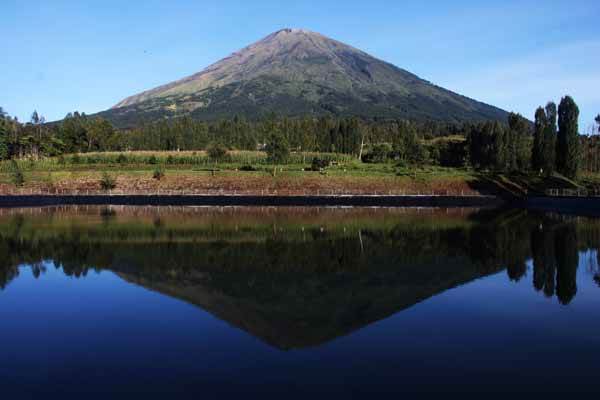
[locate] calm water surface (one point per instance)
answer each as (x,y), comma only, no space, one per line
(265,302)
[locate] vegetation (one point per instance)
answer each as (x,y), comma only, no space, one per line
(17,177)
(516,151)
(549,142)
(568,151)
(107,182)
(278,149)
(179,248)
(158,173)
(216,152)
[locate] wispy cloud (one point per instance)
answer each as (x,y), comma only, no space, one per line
(523,84)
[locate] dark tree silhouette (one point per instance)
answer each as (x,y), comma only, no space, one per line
(567,259)
(550,139)
(568,147)
(539,138)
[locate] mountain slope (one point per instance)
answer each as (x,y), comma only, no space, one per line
(297,72)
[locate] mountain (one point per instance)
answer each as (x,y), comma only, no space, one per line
(296,72)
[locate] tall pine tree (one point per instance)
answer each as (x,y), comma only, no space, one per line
(550,139)
(537,151)
(567,149)
(519,152)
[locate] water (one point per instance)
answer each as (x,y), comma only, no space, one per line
(230,302)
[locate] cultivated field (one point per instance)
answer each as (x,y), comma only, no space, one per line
(245,172)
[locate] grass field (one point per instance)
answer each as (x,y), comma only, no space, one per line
(245,172)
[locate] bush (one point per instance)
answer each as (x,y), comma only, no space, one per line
(122,159)
(93,160)
(379,153)
(152,160)
(216,151)
(278,149)
(107,182)
(247,168)
(17,177)
(170,159)
(449,153)
(158,173)
(319,164)
(76,159)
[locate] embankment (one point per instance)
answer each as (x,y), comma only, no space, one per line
(570,205)
(225,200)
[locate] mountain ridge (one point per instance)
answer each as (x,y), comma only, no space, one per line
(296,72)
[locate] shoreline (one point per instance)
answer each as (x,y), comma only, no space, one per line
(588,206)
(12,201)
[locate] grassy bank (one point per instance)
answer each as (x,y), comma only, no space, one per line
(251,173)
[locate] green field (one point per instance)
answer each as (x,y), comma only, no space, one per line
(251,172)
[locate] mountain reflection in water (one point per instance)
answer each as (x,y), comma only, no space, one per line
(300,277)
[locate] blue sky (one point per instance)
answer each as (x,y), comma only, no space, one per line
(60,56)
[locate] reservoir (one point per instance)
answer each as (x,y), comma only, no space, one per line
(107,302)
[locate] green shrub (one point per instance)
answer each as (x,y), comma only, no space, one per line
(247,168)
(216,151)
(107,182)
(379,153)
(319,164)
(122,159)
(76,159)
(152,160)
(93,160)
(17,177)
(158,173)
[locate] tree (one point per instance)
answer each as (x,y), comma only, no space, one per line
(3,139)
(498,154)
(73,133)
(598,123)
(539,136)
(550,139)
(278,149)
(216,151)
(379,153)
(519,153)
(568,147)
(98,134)
(35,118)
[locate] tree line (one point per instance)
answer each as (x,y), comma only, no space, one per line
(512,240)
(79,133)
(37,138)
(552,143)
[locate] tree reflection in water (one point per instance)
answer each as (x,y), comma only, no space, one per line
(298,277)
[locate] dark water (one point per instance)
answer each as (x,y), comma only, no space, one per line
(216,303)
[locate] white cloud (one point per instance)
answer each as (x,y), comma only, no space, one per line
(523,84)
